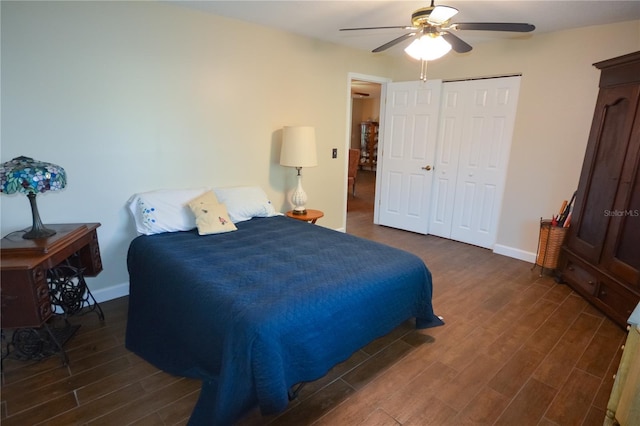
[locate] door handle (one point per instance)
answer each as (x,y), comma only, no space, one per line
(427,168)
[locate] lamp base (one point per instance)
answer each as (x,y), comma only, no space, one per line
(299,197)
(37,230)
(34,234)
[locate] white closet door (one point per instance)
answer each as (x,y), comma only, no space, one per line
(476,127)
(409,137)
(445,171)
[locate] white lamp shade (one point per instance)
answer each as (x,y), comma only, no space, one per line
(298,147)
(428,47)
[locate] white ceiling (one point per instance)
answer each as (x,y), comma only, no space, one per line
(321,19)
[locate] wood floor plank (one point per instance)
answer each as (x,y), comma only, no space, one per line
(515,334)
(354,410)
(98,407)
(100,356)
(563,357)
(484,409)
(39,395)
(598,354)
(317,405)
(380,418)
(604,391)
(135,371)
(516,372)
(50,369)
(413,398)
(556,325)
(39,413)
(574,399)
(150,401)
(359,406)
(529,405)
(431,412)
(594,417)
(178,411)
(15,389)
(379,362)
(464,387)
(308,389)
(397,333)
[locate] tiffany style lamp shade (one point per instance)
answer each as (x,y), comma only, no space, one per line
(30,177)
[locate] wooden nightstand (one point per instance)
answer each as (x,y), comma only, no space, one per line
(42,275)
(311,216)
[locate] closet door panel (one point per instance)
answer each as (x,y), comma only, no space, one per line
(445,169)
(409,135)
(485,143)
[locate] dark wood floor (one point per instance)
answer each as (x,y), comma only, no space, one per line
(517,349)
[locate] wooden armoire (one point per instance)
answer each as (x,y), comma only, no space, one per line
(600,258)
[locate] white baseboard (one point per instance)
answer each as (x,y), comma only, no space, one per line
(515,253)
(109,293)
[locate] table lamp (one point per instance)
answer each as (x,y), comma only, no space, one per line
(29,176)
(298,150)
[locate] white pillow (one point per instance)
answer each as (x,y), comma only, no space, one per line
(245,202)
(165,210)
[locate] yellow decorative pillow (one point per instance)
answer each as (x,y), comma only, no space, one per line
(211,216)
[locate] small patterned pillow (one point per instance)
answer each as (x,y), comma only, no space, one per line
(211,216)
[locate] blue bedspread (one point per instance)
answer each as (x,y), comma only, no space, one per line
(275,303)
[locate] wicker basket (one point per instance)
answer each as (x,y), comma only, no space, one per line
(551,239)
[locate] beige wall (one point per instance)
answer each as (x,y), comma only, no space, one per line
(557,97)
(135,96)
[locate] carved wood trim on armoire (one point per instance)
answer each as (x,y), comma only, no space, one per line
(600,258)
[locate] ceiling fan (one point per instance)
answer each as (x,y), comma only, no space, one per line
(433,31)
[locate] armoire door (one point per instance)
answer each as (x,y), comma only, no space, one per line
(609,141)
(621,254)
(472,153)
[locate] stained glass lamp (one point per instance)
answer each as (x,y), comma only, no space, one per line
(28,176)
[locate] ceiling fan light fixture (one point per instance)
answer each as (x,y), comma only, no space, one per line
(428,47)
(442,14)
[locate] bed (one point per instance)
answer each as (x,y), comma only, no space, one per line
(256,311)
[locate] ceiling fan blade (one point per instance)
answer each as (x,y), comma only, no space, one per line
(441,14)
(393,42)
(494,26)
(456,42)
(404,27)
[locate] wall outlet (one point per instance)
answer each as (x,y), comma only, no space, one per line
(334,153)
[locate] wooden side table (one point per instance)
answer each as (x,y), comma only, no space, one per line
(311,215)
(40,274)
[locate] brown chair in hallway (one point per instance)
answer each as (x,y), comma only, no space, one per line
(354,160)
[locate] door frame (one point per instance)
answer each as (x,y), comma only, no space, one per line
(347,144)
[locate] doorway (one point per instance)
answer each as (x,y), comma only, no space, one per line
(365,111)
